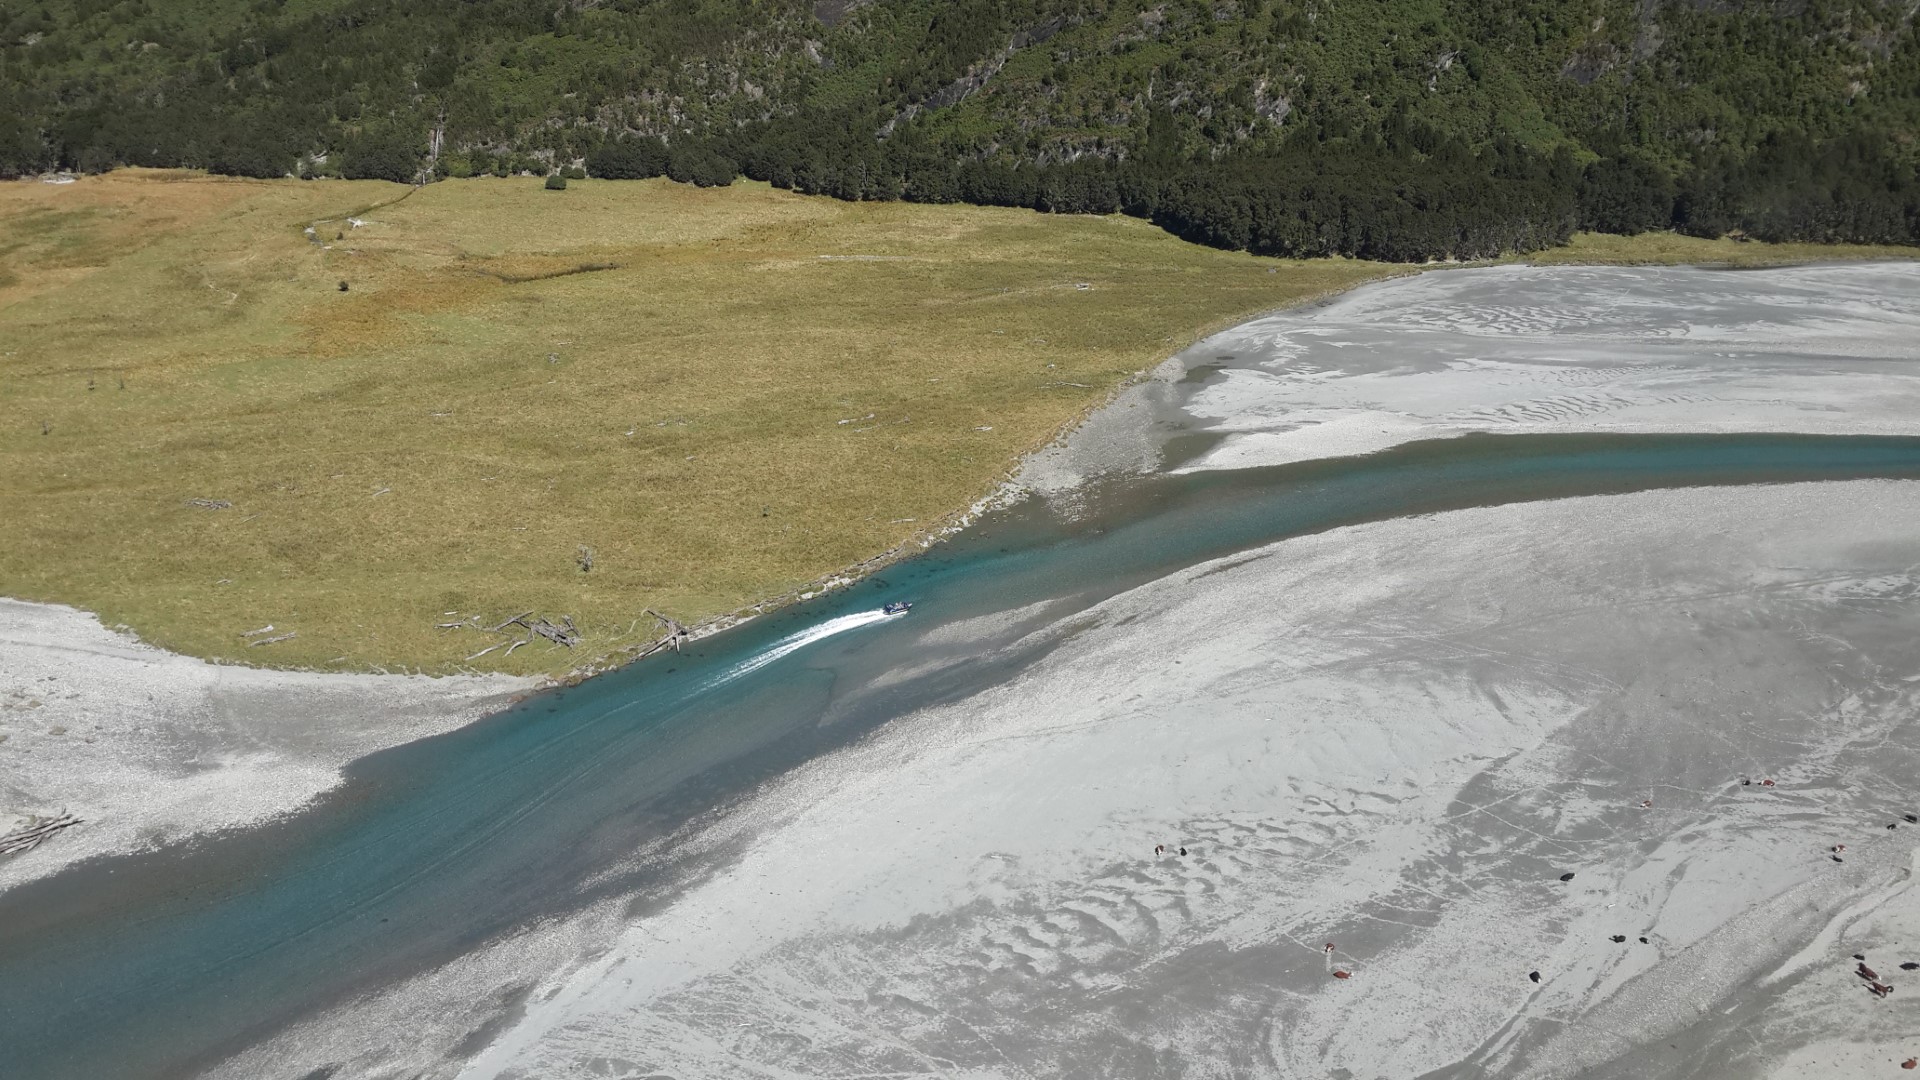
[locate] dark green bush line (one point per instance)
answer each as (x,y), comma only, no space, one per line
(1391,129)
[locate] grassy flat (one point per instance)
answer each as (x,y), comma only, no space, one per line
(765,388)
(725,394)
(1668,249)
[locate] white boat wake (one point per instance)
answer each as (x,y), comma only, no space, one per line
(794,642)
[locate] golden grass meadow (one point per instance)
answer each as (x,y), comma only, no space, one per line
(723,393)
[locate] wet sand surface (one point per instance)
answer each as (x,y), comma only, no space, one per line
(1513,350)
(1816,349)
(147,747)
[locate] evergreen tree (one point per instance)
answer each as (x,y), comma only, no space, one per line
(628,159)
(386,153)
(1403,129)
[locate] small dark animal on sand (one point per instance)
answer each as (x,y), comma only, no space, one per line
(1568,876)
(1618,938)
(1534,975)
(1910,966)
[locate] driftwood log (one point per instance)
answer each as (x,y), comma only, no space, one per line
(520,618)
(29,837)
(560,635)
(677,635)
(563,633)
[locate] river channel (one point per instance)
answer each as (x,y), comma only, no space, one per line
(168,963)
(159,964)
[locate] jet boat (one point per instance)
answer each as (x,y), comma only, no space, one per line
(898,607)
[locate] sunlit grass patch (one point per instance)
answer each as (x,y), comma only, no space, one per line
(1674,248)
(723,393)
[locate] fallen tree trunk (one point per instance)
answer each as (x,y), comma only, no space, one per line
(520,618)
(559,635)
(677,634)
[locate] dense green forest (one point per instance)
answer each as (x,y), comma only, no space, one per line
(1394,129)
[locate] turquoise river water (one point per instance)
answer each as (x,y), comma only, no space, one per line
(161,964)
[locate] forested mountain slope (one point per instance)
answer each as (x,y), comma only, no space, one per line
(1401,129)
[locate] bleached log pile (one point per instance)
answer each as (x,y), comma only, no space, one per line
(563,633)
(528,629)
(31,836)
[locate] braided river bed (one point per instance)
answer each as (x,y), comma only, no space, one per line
(1390,614)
